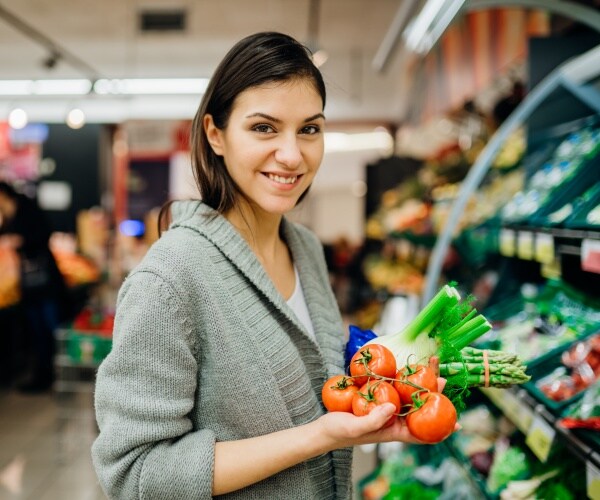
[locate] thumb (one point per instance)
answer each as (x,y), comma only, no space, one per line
(381,414)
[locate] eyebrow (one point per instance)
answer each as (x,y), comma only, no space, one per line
(277,120)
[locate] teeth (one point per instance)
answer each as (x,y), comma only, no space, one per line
(282,180)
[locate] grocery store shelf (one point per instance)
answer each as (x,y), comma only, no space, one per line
(63,360)
(475,477)
(540,426)
(572,234)
(571,77)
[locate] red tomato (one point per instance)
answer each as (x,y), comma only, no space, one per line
(373,394)
(378,359)
(337,393)
(434,421)
(419,375)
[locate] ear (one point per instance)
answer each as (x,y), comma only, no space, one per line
(213,134)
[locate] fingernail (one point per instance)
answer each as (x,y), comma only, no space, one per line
(458,427)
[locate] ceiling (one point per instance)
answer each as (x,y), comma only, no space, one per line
(105,38)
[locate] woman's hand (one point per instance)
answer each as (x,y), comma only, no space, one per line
(342,429)
(345,429)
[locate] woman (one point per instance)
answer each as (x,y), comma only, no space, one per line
(227,330)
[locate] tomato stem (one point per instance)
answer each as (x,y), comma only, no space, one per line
(342,384)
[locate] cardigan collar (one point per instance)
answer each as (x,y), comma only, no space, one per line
(208,222)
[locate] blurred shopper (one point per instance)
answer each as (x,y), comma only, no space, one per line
(24,227)
(227,330)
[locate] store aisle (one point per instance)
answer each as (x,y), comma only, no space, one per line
(45,447)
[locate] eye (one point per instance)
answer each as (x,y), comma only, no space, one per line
(310,130)
(263,128)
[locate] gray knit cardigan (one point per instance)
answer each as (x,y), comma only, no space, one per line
(205,349)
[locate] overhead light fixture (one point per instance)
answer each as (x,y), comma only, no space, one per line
(45,87)
(15,87)
(17,118)
(156,86)
(75,118)
(61,87)
(423,31)
(127,86)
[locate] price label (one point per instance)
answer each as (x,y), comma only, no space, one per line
(544,248)
(540,438)
(551,270)
(514,409)
(493,395)
(517,412)
(525,419)
(510,406)
(590,256)
(525,245)
(593,481)
(507,242)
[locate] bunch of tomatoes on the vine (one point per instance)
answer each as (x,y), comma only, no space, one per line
(413,390)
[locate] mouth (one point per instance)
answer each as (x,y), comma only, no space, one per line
(283,179)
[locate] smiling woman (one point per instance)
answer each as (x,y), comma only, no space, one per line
(235,296)
(272,150)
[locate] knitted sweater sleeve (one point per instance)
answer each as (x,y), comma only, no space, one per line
(145,390)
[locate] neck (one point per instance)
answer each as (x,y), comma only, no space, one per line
(261,231)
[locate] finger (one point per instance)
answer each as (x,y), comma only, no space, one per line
(403,435)
(379,417)
(434,364)
(441,384)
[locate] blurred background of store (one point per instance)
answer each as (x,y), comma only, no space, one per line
(409,120)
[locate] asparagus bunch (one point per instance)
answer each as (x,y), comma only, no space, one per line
(504,369)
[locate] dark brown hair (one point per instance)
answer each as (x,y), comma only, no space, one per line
(255,60)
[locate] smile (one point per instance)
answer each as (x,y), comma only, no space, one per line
(282,180)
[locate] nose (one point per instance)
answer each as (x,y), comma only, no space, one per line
(288,152)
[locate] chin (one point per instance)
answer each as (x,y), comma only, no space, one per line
(281,208)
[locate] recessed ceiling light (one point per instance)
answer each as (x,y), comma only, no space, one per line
(17,118)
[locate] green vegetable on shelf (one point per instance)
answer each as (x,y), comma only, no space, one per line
(509,464)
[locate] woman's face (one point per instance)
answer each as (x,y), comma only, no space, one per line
(273,143)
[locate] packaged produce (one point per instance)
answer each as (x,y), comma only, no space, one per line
(541,321)
(585,414)
(563,177)
(580,368)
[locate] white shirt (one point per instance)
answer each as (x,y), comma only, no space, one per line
(298,304)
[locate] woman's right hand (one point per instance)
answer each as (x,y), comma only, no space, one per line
(342,429)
